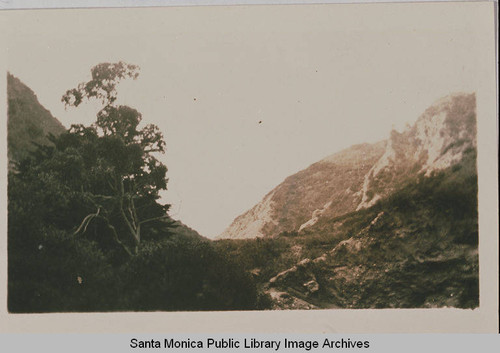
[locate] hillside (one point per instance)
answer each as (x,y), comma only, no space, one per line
(405,238)
(438,140)
(359,176)
(29,123)
(415,248)
(330,187)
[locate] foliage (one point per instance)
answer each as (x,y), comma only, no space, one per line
(415,248)
(105,78)
(87,231)
(122,178)
(268,255)
(50,271)
(187,275)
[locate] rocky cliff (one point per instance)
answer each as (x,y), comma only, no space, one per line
(361,175)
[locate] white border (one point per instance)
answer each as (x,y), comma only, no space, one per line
(484,319)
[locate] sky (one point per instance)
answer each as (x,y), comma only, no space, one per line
(246,96)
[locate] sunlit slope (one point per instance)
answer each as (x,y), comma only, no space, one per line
(359,176)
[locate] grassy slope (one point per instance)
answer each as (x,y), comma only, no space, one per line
(310,189)
(335,181)
(417,248)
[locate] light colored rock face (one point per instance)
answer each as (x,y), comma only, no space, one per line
(327,188)
(315,216)
(436,141)
(250,224)
(361,175)
(446,130)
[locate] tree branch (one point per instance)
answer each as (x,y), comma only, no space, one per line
(153,219)
(86,222)
(89,218)
(151,150)
(133,208)
(115,237)
(129,208)
(124,216)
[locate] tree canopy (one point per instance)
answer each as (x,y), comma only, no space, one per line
(87,230)
(108,169)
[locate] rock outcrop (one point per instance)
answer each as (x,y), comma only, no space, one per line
(359,176)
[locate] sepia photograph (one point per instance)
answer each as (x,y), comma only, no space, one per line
(321,158)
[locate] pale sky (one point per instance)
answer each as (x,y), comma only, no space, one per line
(319,78)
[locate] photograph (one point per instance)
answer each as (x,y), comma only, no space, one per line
(321,158)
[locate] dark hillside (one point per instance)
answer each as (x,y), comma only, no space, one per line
(29,122)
